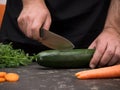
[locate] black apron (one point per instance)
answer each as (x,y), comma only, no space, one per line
(80,21)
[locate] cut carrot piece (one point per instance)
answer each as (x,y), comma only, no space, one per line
(105,72)
(12,77)
(2,80)
(2,74)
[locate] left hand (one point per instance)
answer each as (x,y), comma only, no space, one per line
(107,46)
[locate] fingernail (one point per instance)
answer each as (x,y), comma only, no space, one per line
(92,66)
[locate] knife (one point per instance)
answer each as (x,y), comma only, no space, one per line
(54,41)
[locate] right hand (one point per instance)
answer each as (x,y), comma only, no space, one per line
(33,17)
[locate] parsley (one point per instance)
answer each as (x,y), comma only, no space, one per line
(10,57)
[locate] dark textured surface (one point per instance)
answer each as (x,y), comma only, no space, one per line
(35,77)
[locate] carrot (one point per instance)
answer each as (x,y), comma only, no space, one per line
(2,74)
(105,72)
(12,77)
(2,79)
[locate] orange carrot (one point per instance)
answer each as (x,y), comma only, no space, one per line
(12,77)
(105,72)
(2,79)
(2,74)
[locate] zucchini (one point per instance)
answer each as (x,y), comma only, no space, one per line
(74,58)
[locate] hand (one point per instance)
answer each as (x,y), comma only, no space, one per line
(107,46)
(33,17)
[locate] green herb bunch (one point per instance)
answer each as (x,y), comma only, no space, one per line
(10,57)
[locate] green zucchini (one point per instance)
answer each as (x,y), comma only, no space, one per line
(74,58)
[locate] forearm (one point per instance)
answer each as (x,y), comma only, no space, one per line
(113,18)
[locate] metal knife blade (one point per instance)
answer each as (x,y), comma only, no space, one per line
(54,41)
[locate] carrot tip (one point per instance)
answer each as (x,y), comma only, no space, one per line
(77,74)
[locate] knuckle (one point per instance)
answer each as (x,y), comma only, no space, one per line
(110,52)
(117,55)
(28,35)
(50,20)
(33,28)
(19,20)
(100,50)
(23,17)
(94,61)
(102,63)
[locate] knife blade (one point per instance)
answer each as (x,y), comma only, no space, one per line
(54,41)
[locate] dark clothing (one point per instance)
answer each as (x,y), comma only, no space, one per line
(80,21)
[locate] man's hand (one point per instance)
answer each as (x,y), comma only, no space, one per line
(34,16)
(107,46)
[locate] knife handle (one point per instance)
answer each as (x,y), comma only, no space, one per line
(41,32)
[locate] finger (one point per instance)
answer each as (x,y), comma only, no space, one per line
(28,30)
(36,25)
(100,49)
(116,58)
(47,23)
(22,25)
(108,54)
(92,46)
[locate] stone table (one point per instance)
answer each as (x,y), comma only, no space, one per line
(36,77)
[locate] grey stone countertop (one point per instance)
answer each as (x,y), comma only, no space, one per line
(36,77)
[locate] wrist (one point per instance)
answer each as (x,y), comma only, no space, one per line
(32,2)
